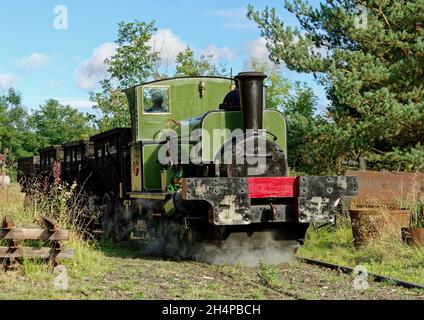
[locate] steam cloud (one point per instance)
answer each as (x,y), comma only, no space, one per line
(238,249)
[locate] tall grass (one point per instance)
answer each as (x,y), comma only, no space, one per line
(69,206)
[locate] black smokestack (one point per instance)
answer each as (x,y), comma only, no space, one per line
(251,86)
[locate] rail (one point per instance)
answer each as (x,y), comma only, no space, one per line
(349,270)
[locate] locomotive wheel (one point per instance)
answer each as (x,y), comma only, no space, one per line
(171,240)
(124,222)
(182,244)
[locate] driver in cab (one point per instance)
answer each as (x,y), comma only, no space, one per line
(157,100)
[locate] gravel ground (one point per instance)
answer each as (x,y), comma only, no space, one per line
(158,279)
(127,276)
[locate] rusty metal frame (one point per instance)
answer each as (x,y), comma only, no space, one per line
(320,195)
(228,198)
(230,203)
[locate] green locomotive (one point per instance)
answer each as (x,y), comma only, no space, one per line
(205,161)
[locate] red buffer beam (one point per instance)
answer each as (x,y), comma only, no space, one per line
(273,187)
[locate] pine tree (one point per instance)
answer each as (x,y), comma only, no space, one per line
(370,57)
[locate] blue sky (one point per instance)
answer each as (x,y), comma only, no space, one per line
(43,62)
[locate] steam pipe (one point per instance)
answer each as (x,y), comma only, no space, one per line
(251,87)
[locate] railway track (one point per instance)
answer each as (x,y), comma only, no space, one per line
(376,277)
(279,291)
(283,292)
(319,280)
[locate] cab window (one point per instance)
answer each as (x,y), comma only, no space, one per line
(156,100)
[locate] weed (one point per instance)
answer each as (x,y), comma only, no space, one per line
(139,295)
(268,275)
(258,294)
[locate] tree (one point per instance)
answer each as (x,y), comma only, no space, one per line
(188,65)
(54,124)
(278,87)
(134,62)
(113,106)
(22,134)
(16,138)
(372,69)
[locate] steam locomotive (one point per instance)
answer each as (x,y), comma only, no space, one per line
(204,160)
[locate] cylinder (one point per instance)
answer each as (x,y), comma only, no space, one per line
(251,87)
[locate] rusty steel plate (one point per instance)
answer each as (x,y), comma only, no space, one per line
(393,190)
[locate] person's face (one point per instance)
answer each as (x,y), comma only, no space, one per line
(158,101)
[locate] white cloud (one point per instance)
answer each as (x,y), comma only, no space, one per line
(7,80)
(235,18)
(91,71)
(257,49)
(164,41)
(79,103)
(82,104)
(218,53)
(34,61)
(167,44)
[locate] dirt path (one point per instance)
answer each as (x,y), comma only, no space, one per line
(192,280)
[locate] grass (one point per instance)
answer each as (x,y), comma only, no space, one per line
(389,257)
(88,262)
(268,275)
